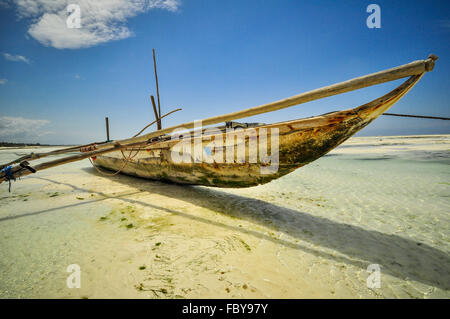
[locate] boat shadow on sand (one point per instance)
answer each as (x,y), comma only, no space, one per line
(400,257)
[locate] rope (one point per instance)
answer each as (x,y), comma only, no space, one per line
(8,176)
(107,174)
(130,157)
(126,161)
(156,121)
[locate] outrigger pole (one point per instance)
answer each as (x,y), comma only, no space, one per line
(411,69)
(406,70)
(419,116)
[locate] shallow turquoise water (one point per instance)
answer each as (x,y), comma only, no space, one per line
(373,200)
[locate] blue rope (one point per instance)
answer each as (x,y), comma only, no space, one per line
(8,175)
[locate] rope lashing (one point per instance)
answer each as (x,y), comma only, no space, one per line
(8,175)
(89,148)
(125,163)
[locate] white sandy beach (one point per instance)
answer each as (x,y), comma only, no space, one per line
(310,234)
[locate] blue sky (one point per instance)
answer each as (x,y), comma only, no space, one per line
(58,84)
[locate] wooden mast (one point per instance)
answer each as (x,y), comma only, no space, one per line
(157,89)
(107,129)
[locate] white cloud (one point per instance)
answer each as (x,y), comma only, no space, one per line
(101,20)
(19,129)
(5,4)
(16,58)
(3,81)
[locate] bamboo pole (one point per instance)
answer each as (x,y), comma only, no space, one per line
(35,156)
(157,86)
(19,171)
(78,148)
(419,116)
(406,70)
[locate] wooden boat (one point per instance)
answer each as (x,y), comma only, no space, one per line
(298,142)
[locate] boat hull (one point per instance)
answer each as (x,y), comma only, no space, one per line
(299,142)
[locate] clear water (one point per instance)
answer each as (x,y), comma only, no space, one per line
(312,233)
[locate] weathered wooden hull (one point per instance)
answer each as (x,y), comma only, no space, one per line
(300,142)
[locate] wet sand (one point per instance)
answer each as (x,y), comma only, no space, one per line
(310,234)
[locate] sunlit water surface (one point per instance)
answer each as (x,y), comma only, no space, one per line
(380,201)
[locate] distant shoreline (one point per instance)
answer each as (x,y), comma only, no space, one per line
(10,144)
